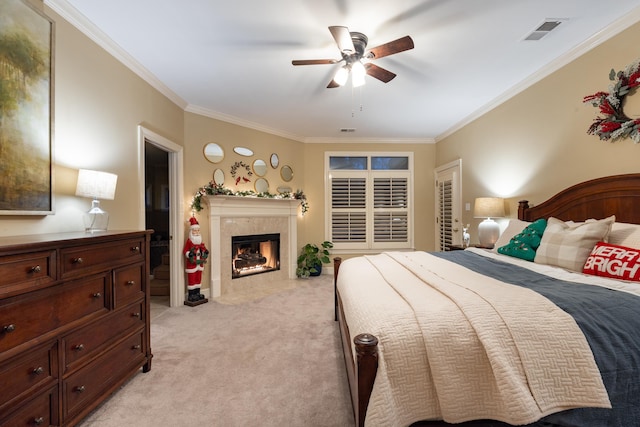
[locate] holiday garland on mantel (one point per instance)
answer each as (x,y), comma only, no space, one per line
(614,123)
(213,189)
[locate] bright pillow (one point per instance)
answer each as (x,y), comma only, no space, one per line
(524,244)
(568,245)
(615,261)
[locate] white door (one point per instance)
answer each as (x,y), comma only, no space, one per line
(448,205)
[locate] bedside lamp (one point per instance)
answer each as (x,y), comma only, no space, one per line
(96,185)
(488,230)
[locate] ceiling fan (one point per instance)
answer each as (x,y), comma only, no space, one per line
(357,62)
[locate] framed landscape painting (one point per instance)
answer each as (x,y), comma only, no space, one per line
(26,109)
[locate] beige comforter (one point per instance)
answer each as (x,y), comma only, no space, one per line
(457,345)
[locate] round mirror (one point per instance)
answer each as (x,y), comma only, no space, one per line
(284,189)
(213,152)
(259,167)
(218,177)
(243,151)
(274,161)
(286,173)
(262,186)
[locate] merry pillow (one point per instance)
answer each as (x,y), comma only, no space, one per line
(617,262)
(524,244)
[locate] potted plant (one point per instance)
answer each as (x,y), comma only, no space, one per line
(311,259)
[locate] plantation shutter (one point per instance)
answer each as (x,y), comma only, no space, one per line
(390,217)
(445,217)
(348,204)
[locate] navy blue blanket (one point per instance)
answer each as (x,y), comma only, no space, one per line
(610,321)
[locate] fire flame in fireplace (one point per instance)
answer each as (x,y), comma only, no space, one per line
(255,257)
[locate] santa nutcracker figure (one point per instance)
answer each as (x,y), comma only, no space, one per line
(196,255)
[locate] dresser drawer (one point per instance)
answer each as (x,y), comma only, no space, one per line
(97,257)
(82,387)
(25,317)
(41,410)
(128,285)
(86,342)
(26,272)
(26,373)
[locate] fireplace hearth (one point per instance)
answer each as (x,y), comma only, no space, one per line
(254,254)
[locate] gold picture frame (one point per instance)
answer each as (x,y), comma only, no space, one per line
(26,109)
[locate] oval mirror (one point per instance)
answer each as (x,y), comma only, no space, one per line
(261,185)
(286,173)
(284,189)
(259,167)
(274,161)
(213,152)
(243,151)
(218,177)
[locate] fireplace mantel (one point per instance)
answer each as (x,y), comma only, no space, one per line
(227,212)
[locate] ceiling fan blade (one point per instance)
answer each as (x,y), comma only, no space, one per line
(342,36)
(399,45)
(313,61)
(332,84)
(379,73)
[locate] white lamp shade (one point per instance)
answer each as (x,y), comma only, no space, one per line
(96,185)
(341,76)
(357,74)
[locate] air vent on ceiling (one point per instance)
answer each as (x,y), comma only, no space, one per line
(545,28)
(347,130)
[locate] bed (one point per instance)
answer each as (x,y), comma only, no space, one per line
(566,348)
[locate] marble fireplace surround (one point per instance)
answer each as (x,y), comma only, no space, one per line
(239,216)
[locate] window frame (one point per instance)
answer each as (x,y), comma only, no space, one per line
(369,246)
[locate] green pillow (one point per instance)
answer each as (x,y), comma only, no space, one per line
(524,244)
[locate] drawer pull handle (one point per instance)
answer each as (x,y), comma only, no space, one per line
(78,260)
(38,370)
(78,347)
(38,421)
(97,295)
(9,328)
(131,282)
(136,347)
(135,315)
(80,389)
(135,249)
(36,269)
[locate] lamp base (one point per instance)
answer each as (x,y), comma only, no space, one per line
(488,233)
(95,219)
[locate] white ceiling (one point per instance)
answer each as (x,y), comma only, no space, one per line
(231,60)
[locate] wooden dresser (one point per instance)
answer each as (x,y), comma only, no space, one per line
(74,322)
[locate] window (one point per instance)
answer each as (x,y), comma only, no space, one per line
(369,200)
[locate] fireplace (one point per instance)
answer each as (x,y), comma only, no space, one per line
(254,254)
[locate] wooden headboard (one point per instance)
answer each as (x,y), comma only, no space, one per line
(617,195)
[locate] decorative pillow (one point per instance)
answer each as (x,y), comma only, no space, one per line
(524,244)
(625,234)
(569,245)
(615,261)
(514,227)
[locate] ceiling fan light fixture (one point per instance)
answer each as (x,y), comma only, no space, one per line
(341,75)
(357,74)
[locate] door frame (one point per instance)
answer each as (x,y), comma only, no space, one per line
(176,205)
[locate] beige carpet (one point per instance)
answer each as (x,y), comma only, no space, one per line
(271,361)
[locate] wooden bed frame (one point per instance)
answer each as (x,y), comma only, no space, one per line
(617,195)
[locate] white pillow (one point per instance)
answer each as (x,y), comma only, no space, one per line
(514,227)
(568,245)
(625,234)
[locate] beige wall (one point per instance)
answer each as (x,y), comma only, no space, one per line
(536,143)
(98,106)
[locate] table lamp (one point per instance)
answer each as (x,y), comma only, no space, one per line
(96,185)
(488,230)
